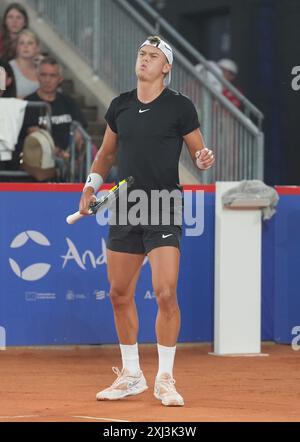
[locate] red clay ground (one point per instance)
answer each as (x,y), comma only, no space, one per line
(60,385)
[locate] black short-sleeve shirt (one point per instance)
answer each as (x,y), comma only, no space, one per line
(64,110)
(150,136)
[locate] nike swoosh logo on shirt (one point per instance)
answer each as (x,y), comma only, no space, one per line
(166,236)
(142,111)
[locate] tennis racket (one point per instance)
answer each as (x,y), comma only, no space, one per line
(103,202)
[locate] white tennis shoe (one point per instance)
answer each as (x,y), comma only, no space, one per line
(165,391)
(126,384)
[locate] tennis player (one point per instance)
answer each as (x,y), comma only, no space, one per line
(147,126)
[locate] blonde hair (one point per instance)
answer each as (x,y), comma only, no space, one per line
(29,33)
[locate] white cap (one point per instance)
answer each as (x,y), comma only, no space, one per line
(229,65)
(157,42)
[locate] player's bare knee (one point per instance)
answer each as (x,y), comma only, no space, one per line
(118,297)
(166,298)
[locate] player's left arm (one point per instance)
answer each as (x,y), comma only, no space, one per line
(202,157)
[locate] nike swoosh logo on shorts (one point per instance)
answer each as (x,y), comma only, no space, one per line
(142,111)
(166,236)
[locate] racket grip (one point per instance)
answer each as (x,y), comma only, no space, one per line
(71,219)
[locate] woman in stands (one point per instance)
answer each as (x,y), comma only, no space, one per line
(15,19)
(25,63)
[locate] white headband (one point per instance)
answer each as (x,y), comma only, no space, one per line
(167,50)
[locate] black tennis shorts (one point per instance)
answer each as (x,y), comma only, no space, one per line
(142,239)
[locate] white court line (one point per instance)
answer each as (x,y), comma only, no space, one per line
(100,418)
(80,417)
(19,417)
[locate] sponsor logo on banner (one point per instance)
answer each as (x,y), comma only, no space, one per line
(72,296)
(35,296)
(36,271)
(83,259)
(101,295)
(149,295)
(87,258)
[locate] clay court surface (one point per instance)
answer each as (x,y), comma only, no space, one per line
(60,385)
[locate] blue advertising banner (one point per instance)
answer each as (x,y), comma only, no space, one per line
(286,307)
(54,288)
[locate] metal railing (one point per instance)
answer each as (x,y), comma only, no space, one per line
(107,36)
(160,25)
(81,158)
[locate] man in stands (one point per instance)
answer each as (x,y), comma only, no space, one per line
(64,109)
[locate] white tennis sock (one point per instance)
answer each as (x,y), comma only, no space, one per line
(130,358)
(166,357)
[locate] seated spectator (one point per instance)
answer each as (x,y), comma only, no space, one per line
(230,71)
(15,19)
(10,82)
(208,76)
(24,65)
(64,110)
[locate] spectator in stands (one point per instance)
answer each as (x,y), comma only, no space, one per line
(230,71)
(25,65)
(208,76)
(15,19)
(64,109)
(10,84)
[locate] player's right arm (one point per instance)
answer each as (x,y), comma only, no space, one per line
(101,166)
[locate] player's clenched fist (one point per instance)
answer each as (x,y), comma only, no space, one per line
(204,158)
